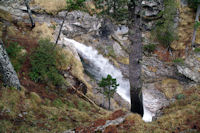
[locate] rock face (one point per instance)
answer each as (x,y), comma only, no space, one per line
(191,67)
(7,71)
(151,12)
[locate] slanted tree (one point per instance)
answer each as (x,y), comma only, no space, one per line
(135,57)
(195,3)
(29,13)
(109,86)
(9,76)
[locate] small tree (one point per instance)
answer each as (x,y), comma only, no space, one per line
(109,86)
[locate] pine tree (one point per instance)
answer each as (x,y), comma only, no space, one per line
(109,86)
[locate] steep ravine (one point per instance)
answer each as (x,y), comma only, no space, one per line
(100,67)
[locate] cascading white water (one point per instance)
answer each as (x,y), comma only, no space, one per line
(101,67)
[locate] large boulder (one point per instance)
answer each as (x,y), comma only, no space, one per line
(191,67)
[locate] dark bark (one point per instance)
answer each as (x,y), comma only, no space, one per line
(29,13)
(9,76)
(135,57)
(61,28)
(195,29)
(109,99)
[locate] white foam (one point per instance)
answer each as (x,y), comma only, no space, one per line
(101,67)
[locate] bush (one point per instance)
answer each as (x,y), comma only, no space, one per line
(180,96)
(178,61)
(193,3)
(58,103)
(197,50)
(149,48)
(164,31)
(75,4)
(118,10)
(44,64)
(16,55)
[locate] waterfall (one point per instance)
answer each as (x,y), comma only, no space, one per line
(101,67)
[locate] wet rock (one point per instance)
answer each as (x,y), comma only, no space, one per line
(154,100)
(191,67)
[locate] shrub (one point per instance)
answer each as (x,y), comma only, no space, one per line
(193,3)
(197,50)
(149,48)
(180,96)
(118,10)
(44,64)
(58,103)
(164,31)
(75,4)
(17,57)
(178,61)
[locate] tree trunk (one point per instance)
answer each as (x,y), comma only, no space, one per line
(61,28)
(109,99)
(135,57)
(7,71)
(195,29)
(29,13)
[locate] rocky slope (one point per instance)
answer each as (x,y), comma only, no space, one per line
(164,79)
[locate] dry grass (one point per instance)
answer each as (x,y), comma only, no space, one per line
(26,111)
(51,6)
(42,31)
(5,15)
(183,115)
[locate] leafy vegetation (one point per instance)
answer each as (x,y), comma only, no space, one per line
(44,64)
(197,50)
(16,54)
(193,3)
(178,61)
(20,112)
(149,48)
(196,25)
(75,4)
(116,9)
(164,31)
(180,96)
(109,86)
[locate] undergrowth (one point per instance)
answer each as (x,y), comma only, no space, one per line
(149,48)
(24,111)
(165,31)
(16,54)
(44,64)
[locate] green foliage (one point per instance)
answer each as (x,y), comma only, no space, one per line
(83,106)
(17,58)
(180,96)
(193,3)
(110,52)
(197,50)
(70,105)
(58,103)
(116,9)
(197,24)
(43,62)
(149,48)
(164,31)
(75,4)
(178,61)
(109,86)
